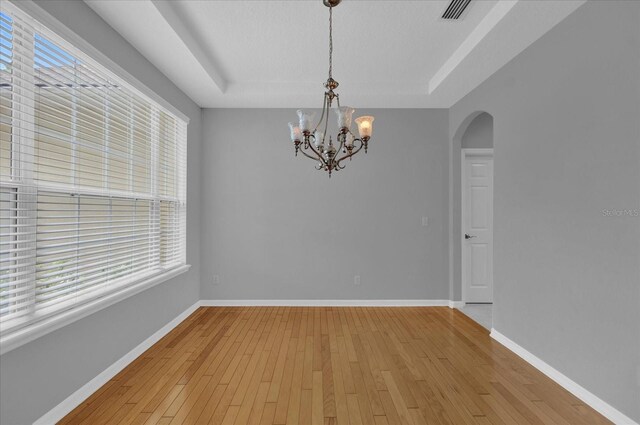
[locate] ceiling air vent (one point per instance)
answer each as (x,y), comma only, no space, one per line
(455,9)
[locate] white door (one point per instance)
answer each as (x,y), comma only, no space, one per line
(477,226)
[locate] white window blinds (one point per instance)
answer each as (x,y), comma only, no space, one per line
(92,178)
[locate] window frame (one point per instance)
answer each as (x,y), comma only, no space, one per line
(45,320)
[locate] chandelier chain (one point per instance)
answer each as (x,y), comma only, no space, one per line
(330,40)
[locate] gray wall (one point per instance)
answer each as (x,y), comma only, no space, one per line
(567,147)
(479,133)
(275,228)
(39,375)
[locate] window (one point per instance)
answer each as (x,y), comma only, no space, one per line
(92,178)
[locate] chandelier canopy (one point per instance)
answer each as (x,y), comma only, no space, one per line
(311,141)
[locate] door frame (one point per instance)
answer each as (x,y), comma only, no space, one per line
(469,153)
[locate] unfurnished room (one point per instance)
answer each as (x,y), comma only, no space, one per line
(320,212)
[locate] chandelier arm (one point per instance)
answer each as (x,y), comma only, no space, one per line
(324,109)
(342,140)
(349,155)
(326,126)
(317,154)
(326,118)
(307,155)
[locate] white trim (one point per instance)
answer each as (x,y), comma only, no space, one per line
(467,153)
(325,303)
(574,388)
(451,215)
(456,304)
(33,331)
(463,196)
(74,400)
(495,15)
(46,19)
(185,34)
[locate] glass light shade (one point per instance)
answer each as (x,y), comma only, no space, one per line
(305,119)
(319,136)
(365,126)
(349,141)
(344,114)
(295,132)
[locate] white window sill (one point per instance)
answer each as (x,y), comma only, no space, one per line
(24,335)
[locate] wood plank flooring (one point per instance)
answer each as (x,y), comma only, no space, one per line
(330,366)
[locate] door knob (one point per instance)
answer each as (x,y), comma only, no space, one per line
(466,236)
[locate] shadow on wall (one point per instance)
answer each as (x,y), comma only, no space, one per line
(479,133)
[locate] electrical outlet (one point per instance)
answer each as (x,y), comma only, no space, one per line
(356,280)
(215,280)
(425,221)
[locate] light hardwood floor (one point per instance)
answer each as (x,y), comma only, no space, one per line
(324,365)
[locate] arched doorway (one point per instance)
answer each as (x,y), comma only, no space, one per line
(472,218)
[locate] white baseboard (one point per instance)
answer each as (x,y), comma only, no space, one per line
(325,303)
(574,388)
(74,400)
(456,304)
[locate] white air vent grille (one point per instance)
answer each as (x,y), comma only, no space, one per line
(455,9)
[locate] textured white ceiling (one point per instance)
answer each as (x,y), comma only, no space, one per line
(374,42)
(275,53)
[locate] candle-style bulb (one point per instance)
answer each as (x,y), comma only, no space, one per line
(365,126)
(295,132)
(319,138)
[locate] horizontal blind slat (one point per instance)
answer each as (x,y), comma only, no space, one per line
(93,183)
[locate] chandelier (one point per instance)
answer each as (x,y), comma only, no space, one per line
(311,141)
